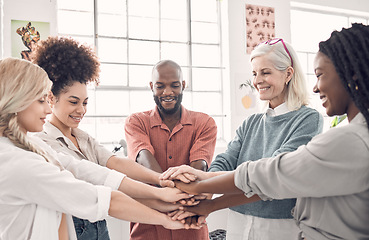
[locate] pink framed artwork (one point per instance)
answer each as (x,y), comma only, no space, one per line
(260,25)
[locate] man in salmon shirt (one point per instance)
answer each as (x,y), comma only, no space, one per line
(168,136)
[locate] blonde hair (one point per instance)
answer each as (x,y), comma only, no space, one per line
(21,83)
(296,94)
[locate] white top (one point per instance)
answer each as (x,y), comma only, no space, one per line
(329,177)
(91,149)
(279,110)
(34,192)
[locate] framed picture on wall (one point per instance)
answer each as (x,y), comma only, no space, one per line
(25,34)
(260,25)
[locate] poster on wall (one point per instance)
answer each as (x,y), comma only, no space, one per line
(25,34)
(260,25)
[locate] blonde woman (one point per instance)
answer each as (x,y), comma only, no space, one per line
(37,184)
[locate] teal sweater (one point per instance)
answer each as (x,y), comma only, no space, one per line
(262,136)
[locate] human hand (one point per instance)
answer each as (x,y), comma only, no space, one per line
(172,195)
(166,183)
(204,208)
(189,224)
(183,173)
(189,188)
(166,207)
(194,222)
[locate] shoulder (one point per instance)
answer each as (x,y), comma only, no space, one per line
(139,116)
(253,119)
(199,118)
(307,115)
(308,111)
(348,136)
(18,159)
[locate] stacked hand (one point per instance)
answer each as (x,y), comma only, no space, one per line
(192,211)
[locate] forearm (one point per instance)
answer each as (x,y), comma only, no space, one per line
(199,165)
(159,205)
(136,189)
(221,184)
(146,159)
(231,200)
(133,170)
(126,208)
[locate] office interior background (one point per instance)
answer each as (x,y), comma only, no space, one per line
(207,38)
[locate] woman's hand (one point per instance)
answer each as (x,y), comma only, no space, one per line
(172,194)
(189,188)
(183,173)
(204,208)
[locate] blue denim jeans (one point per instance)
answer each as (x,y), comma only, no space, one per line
(87,230)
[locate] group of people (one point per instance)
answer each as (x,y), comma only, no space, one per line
(280,176)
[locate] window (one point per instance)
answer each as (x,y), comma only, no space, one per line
(130,36)
(306,36)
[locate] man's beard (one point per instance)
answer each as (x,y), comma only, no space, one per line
(172,110)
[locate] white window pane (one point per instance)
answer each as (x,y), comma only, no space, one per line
(80,23)
(112,50)
(198,12)
(311,57)
(143,52)
(143,28)
(187,100)
(139,76)
(310,83)
(176,52)
(112,25)
(206,79)
(205,55)
(174,31)
(185,72)
(80,5)
(113,74)
(303,58)
(144,8)
(141,101)
(91,100)
(357,20)
(112,6)
(85,40)
(174,9)
(204,32)
(112,102)
(210,103)
(110,130)
(307,34)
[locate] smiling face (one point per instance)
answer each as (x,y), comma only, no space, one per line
(33,117)
(270,82)
(69,107)
(167,89)
(335,98)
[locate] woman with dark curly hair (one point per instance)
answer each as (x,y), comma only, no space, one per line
(71,66)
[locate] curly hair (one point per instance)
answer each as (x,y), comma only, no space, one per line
(349,52)
(66,61)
